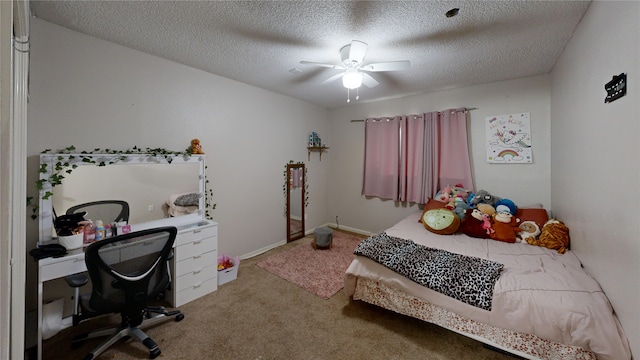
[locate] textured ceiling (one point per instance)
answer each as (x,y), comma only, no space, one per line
(259,42)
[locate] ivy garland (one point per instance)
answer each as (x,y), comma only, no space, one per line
(286,180)
(66,164)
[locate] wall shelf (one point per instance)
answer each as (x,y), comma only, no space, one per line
(319,149)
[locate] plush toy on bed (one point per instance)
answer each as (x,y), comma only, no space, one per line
(530,230)
(505,226)
(441,221)
(196,147)
(472,225)
(554,235)
(484,197)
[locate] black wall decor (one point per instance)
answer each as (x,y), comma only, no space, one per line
(616,88)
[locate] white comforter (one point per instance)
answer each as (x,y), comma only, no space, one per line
(540,292)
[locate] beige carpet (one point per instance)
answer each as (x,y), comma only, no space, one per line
(262,316)
(320,272)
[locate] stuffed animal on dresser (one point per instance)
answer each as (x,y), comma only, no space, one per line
(554,235)
(529,230)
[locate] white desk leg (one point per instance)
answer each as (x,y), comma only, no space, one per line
(40,290)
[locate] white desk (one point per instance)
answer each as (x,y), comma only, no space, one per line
(193,267)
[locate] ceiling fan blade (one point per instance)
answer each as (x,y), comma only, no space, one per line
(332,66)
(369,81)
(333,78)
(388,66)
(357,51)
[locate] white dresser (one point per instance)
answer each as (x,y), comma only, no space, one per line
(194,267)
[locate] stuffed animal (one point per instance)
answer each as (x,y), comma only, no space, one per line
(195,148)
(441,221)
(472,224)
(461,209)
(484,197)
(486,209)
(452,195)
(445,195)
(554,235)
(529,230)
(506,205)
(486,224)
(505,226)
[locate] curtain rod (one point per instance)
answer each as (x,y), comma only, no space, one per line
(465,110)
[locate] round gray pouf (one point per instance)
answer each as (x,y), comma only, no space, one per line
(324,238)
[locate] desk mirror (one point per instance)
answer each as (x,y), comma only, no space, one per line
(295,201)
(148,183)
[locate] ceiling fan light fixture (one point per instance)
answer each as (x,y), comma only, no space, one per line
(352,79)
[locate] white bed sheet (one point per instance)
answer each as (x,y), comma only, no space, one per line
(539,292)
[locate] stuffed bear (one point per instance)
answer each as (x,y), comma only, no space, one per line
(472,225)
(554,235)
(195,148)
(484,197)
(529,230)
(505,226)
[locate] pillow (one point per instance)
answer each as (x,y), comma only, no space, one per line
(187,200)
(430,205)
(539,216)
(441,221)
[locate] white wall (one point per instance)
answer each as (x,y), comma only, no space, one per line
(595,167)
(94,94)
(522,183)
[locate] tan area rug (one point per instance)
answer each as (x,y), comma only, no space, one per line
(320,272)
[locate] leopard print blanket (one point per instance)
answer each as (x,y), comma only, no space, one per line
(465,278)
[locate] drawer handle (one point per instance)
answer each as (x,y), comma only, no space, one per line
(197,242)
(78,260)
(196,231)
(197,271)
(197,256)
(197,285)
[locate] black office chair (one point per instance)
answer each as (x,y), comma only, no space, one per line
(108,211)
(126,271)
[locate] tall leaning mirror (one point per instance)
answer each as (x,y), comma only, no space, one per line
(295,201)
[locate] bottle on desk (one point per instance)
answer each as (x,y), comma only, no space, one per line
(89,233)
(99,230)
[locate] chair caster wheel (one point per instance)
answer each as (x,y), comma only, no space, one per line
(154,353)
(179,317)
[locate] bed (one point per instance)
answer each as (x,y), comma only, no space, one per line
(544,305)
(182,204)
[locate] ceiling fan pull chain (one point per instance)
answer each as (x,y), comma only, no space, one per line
(357,93)
(348,96)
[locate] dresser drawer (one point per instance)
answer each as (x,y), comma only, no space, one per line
(196,234)
(196,277)
(63,267)
(195,291)
(195,248)
(195,263)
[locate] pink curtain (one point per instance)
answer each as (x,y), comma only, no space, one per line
(382,158)
(455,166)
(429,152)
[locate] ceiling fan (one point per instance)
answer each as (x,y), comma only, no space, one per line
(355,72)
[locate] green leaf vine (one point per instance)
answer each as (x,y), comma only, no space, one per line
(68,158)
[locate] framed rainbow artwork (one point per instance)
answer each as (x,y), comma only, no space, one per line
(509,139)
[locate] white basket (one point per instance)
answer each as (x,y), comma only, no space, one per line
(71,242)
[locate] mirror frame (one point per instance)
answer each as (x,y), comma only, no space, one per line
(302,200)
(49,162)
